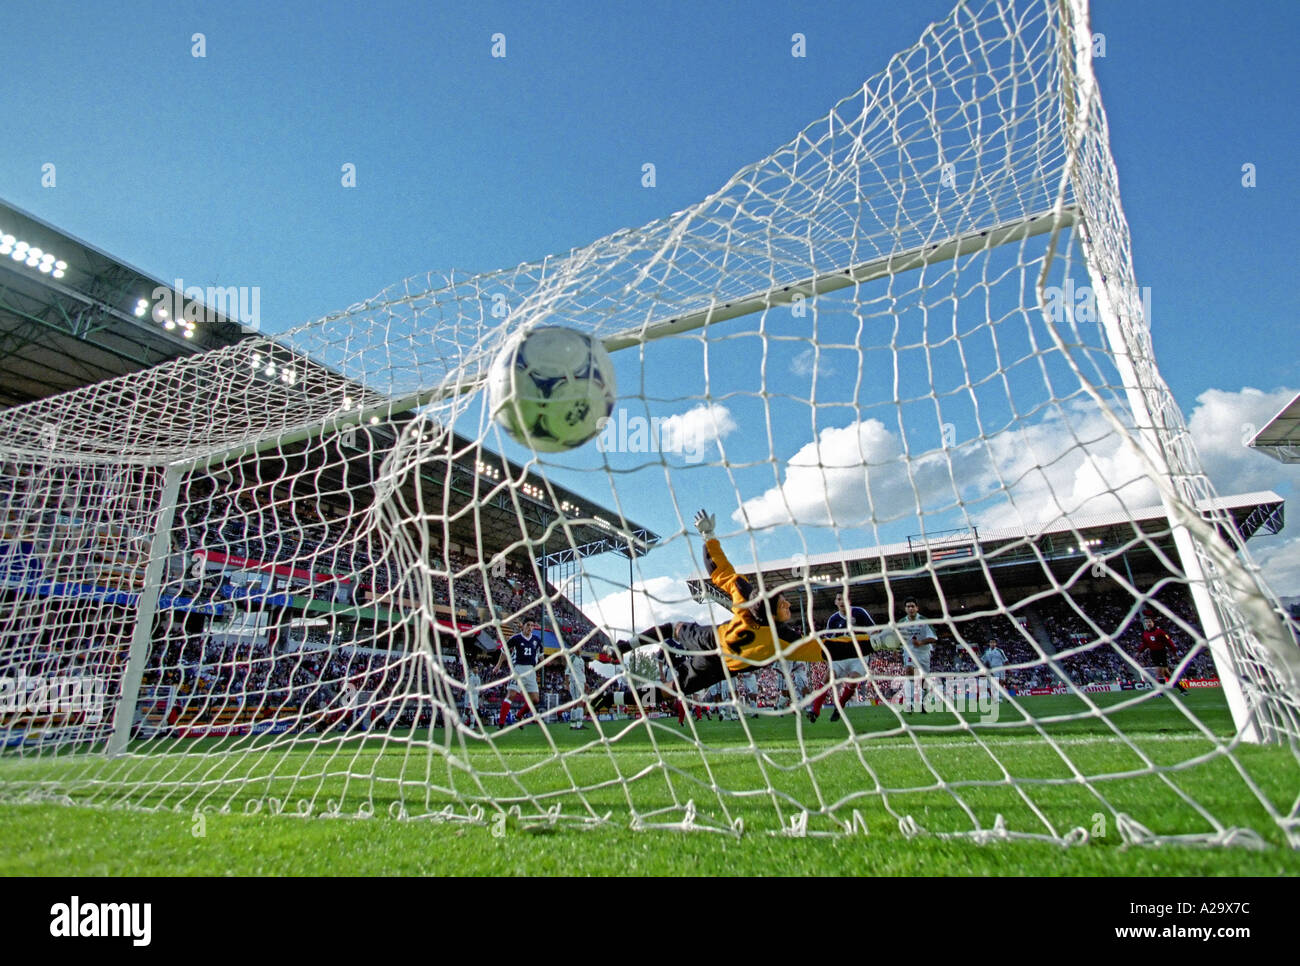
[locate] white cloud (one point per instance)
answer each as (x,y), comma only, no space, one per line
(811,363)
(1279,558)
(692,432)
(657,601)
(1069,462)
(828,480)
(1222,424)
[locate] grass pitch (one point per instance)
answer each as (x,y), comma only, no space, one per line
(911,794)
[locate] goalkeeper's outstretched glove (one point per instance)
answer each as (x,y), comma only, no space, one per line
(704,522)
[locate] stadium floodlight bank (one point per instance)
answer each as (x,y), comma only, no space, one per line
(280,562)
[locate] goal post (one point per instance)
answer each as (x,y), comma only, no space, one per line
(1215,575)
(145,612)
(902,360)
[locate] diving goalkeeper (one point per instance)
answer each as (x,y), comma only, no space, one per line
(758,633)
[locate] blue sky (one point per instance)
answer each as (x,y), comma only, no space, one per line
(226,169)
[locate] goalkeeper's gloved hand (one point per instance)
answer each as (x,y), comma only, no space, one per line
(704,522)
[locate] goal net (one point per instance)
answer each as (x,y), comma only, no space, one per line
(903,357)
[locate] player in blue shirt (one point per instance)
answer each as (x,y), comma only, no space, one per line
(525,653)
(852,670)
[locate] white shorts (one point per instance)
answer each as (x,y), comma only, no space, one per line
(799,674)
(850,669)
(917,656)
(526,677)
(575,689)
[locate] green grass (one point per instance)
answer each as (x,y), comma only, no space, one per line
(190,813)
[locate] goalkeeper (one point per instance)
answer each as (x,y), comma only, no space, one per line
(758,633)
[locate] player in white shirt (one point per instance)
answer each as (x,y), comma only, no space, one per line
(472,685)
(919,639)
(799,677)
(577,687)
(349,695)
(718,696)
(995,660)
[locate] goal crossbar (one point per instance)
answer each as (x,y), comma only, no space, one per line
(956,246)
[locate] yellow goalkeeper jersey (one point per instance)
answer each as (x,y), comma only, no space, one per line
(746,641)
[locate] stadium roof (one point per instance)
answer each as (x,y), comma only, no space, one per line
(1139,542)
(1280,438)
(62,328)
(1250,513)
(487,500)
(72,316)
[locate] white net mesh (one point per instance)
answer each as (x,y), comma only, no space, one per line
(904,355)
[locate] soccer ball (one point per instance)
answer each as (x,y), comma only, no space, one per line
(550,387)
(887,640)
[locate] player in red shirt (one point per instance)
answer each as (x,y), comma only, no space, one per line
(1159,647)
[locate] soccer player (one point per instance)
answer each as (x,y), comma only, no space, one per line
(524,651)
(995,660)
(1158,646)
(666,689)
(919,639)
(759,626)
(852,670)
(472,685)
(350,696)
(668,682)
(799,677)
(577,686)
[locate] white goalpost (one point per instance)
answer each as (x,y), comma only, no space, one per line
(908,353)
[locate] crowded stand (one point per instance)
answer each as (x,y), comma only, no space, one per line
(275,615)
